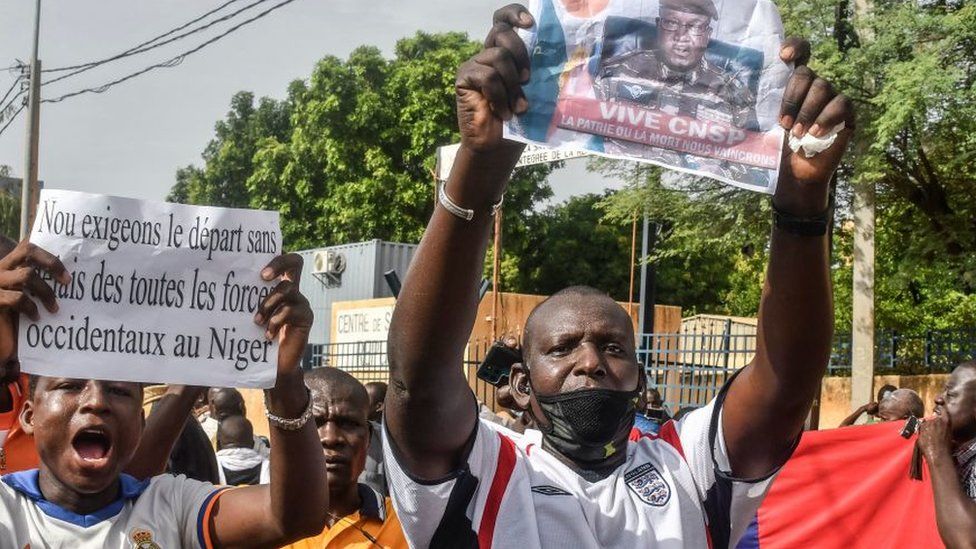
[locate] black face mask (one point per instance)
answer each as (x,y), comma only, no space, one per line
(589,425)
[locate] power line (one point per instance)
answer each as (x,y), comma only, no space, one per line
(12,118)
(147,42)
(12,86)
(5,108)
(170,62)
(78,69)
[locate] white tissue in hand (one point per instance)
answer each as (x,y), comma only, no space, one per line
(813,145)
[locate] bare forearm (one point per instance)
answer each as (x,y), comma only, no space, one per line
(268,515)
(795,328)
(851,419)
(163,428)
(297,462)
(437,305)
(795,322)
(955,513)
(433,319)
(768,404)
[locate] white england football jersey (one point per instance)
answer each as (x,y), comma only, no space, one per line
(164,512)
(671,492)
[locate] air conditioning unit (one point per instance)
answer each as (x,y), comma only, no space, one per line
(328,267)
(320,262)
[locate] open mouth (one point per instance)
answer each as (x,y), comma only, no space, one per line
(92,445)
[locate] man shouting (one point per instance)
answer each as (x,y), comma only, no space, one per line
(458,482)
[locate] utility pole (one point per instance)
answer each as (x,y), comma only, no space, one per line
(29,182)
(862,328)
(648,295)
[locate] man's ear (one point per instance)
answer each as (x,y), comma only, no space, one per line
(27,418)
(519,386)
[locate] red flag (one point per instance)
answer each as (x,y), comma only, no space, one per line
(849,488)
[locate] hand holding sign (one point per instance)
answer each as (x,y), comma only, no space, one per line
(810,104)
(286,313)
(20,279)
(489,85)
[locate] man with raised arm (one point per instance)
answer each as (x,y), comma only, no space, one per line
(458,482)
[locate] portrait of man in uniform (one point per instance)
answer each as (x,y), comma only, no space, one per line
(610,66)
(675,76)
(669,71)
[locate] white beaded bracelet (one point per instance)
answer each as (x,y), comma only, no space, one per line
(463,213)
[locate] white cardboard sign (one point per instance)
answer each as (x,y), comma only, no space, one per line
(160,293)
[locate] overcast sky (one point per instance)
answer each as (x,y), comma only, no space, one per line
(130,140)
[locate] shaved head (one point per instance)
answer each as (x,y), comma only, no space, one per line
(969,366)
(334,384)
(570,300)
(900,404)
(226,402)
(235,432)
(340,407)
(958,401)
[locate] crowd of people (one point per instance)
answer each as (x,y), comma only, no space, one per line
(588,457)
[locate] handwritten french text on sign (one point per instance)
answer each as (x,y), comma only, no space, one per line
(160,293)
(691,85)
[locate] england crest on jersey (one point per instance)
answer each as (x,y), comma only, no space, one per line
(646,481)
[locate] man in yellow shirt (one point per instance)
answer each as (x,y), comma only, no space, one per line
(359,516)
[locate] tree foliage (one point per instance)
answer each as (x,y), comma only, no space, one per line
(711,240)
(9,208)
(911,69)
(573,244)
(349,154)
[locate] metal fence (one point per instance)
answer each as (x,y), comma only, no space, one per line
(688,369)
(367,361)
(932,351)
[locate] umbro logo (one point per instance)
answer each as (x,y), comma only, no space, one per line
(550,491)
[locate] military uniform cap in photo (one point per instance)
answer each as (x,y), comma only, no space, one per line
(700,7)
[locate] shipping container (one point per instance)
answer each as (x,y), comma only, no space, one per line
(349,272)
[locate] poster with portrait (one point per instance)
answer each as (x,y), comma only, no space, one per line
(691,85)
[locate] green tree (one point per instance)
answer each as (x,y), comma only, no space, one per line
(712,238)
(228,158)
(349,155)
(9,208)
(573,244)
(914,83)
